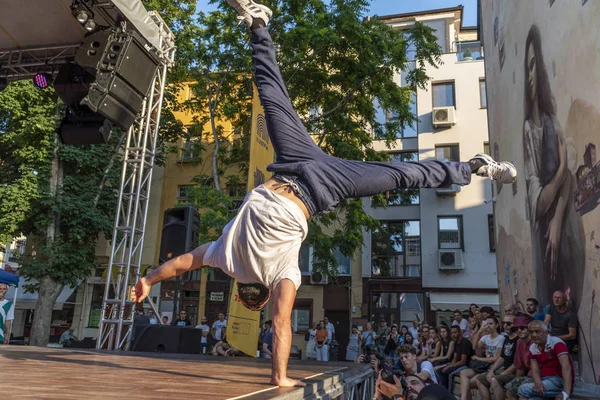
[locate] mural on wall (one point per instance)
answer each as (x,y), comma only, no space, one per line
(543,83)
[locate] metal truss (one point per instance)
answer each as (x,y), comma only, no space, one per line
(25,63)
(116,322)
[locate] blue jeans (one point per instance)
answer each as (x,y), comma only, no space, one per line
(553,384)
(323,180)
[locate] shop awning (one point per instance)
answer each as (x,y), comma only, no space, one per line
(461,301)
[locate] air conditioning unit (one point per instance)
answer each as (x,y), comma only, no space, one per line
(318,278)
(448,191)
(450,260)
(444,116)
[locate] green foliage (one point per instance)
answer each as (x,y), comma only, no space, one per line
(83,206)
(335,64)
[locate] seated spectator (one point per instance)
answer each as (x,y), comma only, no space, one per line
(551,365)
(416,389)
(503,370)
(409,340)
(407,356)
(165,320)
(462,323)
(423,346)
(486,312)
(531,308)
(322,348)
(445,346)
(563,320)
(473,309)
(463,350)
(403,331)
(488,351)
(267,346)
(434,343)
(475,330)
(68,336)
(221,346)
(521,363)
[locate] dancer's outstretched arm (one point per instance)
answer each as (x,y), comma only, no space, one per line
(172,268)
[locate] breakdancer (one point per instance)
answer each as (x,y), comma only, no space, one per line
(260,246)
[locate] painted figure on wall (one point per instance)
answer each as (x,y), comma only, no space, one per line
(556,230)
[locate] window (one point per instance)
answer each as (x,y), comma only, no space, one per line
(396,249)
(443,94)
(486,148)
(302,315)
(183,192)
(399,197)
(344,264)
(383,117)
(482,93)
(467,51)
(447,153)
(398,308)
(450,233)
(492,232)
(191,151)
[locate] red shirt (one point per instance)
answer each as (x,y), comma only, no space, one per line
(548,358)
(522,356)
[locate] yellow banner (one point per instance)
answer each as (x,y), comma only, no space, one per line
(243,324)
(261,150)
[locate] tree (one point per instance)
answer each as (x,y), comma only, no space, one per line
(53,193)
(62,203)
(336,65)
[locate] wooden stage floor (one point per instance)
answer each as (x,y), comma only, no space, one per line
(45,373)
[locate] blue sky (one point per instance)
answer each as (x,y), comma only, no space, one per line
(387,7)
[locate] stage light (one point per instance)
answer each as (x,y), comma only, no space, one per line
(83,17)
(90,25)
(42,80)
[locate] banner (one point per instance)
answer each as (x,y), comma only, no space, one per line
(243,324)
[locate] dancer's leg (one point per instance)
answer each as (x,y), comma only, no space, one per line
(286,131)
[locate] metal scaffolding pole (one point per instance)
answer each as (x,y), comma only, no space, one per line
(132,208)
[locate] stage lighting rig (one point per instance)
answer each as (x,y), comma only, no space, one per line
(84,15)
(42,80)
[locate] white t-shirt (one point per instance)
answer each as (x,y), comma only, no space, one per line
(205,329)
(464,326)
(427,366)
(218,325)
(262,243)
(7,313)
(492,345)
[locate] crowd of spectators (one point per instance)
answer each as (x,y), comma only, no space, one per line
(523,354)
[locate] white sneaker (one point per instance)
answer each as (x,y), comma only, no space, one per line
(486,166)
(249,10)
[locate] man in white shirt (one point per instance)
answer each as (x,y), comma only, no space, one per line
(217,326)
(7,315)
(330,329)
(261,245)
(205,329)
(407,355)
(463,323)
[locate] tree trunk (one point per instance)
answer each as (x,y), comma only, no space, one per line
(49,287)
(42,317)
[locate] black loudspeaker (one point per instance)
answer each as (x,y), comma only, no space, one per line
(113,50)
(82,130)
(181,226)
(166,339)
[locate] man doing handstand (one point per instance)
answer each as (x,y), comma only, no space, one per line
(260,246)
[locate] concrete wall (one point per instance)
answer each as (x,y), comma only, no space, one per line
(470,133)
(567,82)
